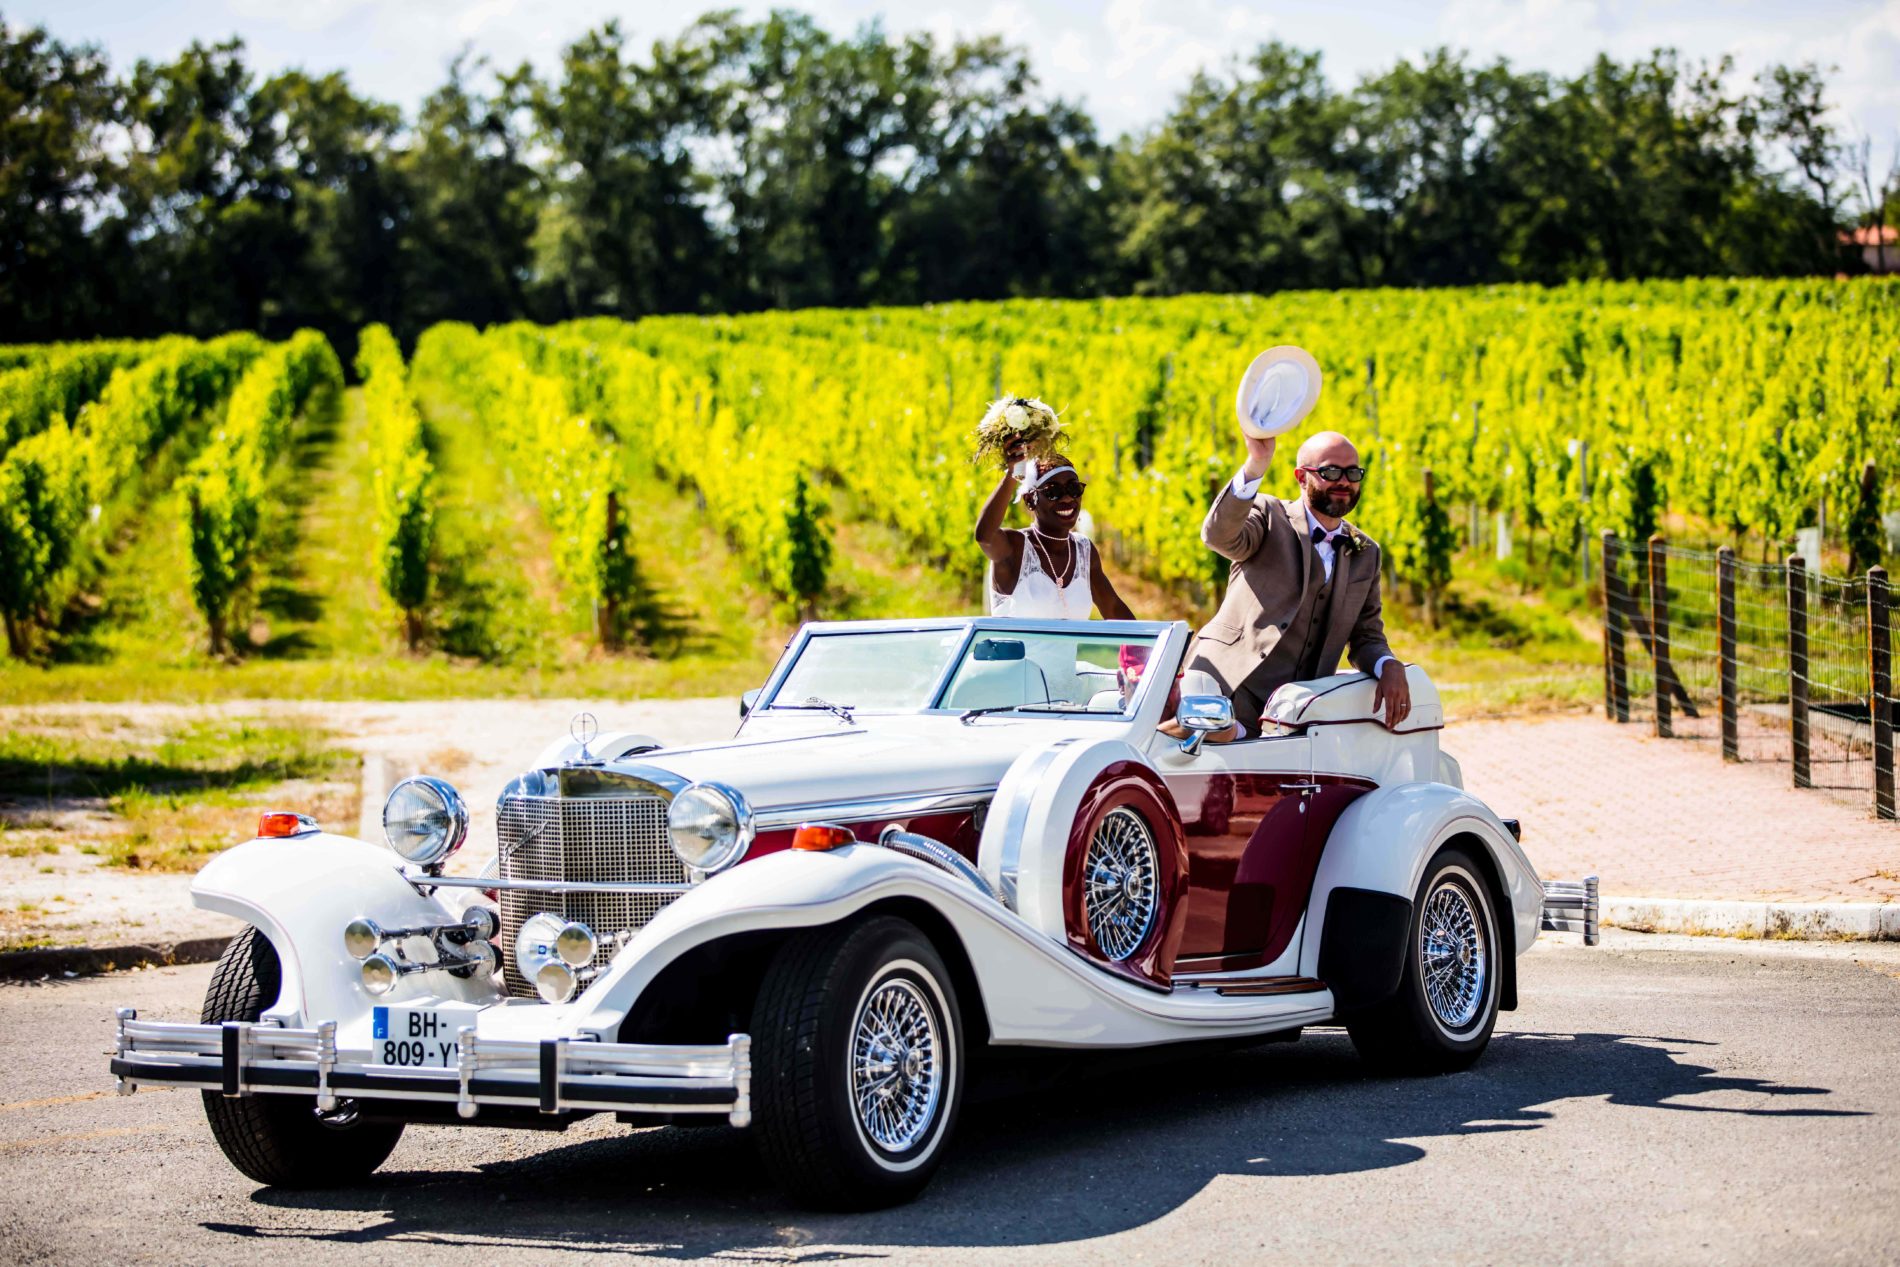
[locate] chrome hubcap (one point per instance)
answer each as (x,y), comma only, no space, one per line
(895,1079)
(1119,873)
(1452,955)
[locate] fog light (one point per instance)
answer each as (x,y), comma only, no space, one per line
(555,983)
(575,944)
(362,937)
(380,974)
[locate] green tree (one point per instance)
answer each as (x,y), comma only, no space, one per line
(56,176)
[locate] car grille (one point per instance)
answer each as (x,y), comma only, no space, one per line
(584,840)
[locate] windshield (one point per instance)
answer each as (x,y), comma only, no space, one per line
(1049,672)
(893,671)
(990,670)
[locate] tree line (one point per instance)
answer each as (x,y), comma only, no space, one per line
(748,165)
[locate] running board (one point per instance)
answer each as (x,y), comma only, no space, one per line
(1571,906)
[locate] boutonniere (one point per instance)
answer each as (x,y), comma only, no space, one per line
(1352,542)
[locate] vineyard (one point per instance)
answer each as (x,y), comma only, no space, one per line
(731,475)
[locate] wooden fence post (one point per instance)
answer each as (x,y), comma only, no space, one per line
(607,614)
(1880,687)
(1659,628)
(1616,691)
(1725,651)
(1798,669)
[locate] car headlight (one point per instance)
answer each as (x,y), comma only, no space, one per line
(425,820)
(710,826)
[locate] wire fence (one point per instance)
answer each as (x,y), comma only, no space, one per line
(1767,662)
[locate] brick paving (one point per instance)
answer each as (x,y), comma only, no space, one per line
(1667,818)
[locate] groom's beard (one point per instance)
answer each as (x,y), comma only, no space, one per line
(1334,501)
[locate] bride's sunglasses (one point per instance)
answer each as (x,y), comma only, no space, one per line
(1062,491)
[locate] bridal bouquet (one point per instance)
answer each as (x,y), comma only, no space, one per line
(1016,418)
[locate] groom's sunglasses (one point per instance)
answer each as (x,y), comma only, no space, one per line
(1332,474)
(1059,492)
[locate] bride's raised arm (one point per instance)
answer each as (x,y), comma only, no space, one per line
(998,544)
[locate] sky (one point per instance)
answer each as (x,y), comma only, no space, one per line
(1125,60)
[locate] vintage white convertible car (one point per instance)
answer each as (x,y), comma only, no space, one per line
(928,840)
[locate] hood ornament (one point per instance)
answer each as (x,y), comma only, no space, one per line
(583,729)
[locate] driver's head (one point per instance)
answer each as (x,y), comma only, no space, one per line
(1131,664)
(1332,498)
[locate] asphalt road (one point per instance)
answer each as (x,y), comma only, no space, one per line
(1655,1100)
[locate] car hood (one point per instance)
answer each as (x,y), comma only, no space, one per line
(811,766)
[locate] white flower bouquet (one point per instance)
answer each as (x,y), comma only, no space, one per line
(1016,418)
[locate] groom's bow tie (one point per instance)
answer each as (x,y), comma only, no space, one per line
(1320,534)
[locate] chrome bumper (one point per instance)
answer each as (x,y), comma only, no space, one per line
(553,1075)
(1570,906)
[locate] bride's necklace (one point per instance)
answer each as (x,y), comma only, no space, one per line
(1063,577)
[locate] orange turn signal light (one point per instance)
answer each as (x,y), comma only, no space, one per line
(277,823)
(819,837)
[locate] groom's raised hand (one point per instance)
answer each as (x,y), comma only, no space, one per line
(1259,457)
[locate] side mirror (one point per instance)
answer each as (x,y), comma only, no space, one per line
(1201,716)
(749,701)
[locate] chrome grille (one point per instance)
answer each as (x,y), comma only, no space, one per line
(587,840)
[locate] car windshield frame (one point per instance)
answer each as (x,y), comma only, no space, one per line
(1168,640)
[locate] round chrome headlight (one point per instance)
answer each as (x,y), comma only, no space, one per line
(425,820)
(709,825)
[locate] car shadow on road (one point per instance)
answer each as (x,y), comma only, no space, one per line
(1112,1151)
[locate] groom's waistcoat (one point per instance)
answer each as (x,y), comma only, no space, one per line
(1282,621)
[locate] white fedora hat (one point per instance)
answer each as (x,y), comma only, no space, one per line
(1279,388)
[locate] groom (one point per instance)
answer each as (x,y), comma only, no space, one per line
(1304,585)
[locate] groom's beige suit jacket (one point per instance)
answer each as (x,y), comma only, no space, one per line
(1281,620)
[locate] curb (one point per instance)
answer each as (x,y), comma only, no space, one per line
(1794,921)
(78,961)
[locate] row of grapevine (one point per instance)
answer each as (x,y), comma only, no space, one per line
(569,466)
(403,477)
(734,443)
(225,487)
(56,486)
(60,380)
(1572,409)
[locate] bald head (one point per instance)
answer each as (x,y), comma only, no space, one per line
(1328,499)
(1327,448)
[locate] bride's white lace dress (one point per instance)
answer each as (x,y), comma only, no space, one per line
(1037,596)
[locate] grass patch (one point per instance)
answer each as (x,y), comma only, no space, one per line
(171,798)
(220,754)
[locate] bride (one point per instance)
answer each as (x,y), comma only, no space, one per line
(1046,571)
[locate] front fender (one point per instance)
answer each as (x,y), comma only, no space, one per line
(1384,840)
(1033,989)
(300,892)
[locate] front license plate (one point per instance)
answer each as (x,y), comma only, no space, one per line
(417,1037)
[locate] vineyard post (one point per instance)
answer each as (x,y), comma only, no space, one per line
(1616,698)
(1798,668)
(607,611)
(1725,650)
(1880,686)
(1659,628)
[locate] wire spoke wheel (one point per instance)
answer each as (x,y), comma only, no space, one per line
(1120,893)
(895,1077)
(1453,956)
